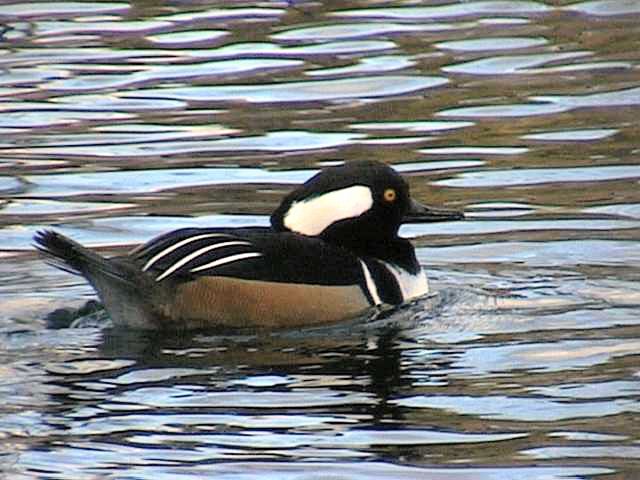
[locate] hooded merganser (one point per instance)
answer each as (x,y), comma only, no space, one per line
(332,253)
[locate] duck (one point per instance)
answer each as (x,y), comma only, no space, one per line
(331,253)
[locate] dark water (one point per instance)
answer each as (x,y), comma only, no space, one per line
(124,119)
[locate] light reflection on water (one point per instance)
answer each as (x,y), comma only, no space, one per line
(121,120)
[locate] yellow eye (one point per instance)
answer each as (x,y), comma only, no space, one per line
(389,195)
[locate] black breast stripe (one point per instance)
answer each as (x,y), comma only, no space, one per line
(386,284)
(368,286)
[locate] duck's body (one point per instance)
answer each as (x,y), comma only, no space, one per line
(332,253)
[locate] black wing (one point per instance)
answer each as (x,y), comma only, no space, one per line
(193,252)
(248,253)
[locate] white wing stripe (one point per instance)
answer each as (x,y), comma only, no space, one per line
(196,254)
(225,260)
(175,246)
(371,285)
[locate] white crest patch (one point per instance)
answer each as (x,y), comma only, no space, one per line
(411,285)
(314,215)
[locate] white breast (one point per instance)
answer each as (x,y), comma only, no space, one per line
(411,285)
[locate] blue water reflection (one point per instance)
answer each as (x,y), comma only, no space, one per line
(121,120)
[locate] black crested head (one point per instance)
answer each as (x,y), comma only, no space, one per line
(359,206)
(360,201)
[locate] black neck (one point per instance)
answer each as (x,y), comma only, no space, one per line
(395,250)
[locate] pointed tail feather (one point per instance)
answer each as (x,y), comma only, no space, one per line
(127,293)
(68,255)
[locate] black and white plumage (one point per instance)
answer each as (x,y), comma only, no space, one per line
(333,251)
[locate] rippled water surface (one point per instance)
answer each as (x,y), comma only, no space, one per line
(119,120)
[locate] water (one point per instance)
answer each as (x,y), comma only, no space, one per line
(121,120)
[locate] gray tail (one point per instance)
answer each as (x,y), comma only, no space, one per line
(126,293)
(68,255)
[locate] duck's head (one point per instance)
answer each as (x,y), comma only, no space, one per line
(354,202)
